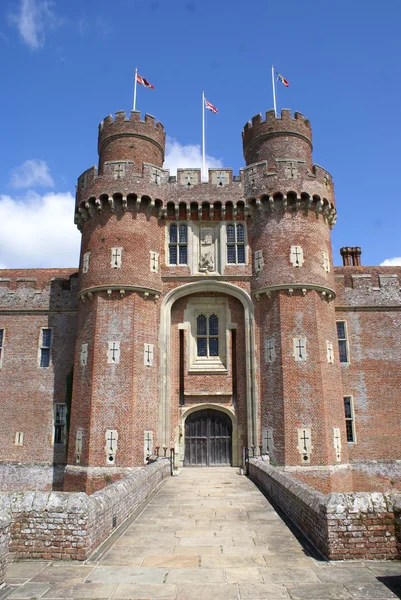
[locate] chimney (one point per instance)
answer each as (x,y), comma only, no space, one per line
(351,256)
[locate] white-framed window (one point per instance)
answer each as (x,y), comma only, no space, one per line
(60,423)
(113,353)
(19,438)
(299,345)
(85,262)
(84,355)
(45,345)
(235,240)
(154,261)
(2,339)
(349,418)
(258,260)
(326,261)
(342,336)
(207,335)
(116,258)
(178,244)
(208,332)
(329,351)
(297,256)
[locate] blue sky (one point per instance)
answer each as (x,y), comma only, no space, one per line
(67,64)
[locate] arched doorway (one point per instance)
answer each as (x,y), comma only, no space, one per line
(208,439)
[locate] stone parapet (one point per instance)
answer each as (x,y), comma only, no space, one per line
(341,526)
(38,289)
(70,526)
(362,287)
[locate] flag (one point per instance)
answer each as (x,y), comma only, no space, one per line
(144,82)
(281,78)
(210,106)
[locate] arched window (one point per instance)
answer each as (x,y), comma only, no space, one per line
(178,244)
(235,244)
(207,335)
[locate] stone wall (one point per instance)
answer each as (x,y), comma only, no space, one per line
(4,541)
(341,526)
(62,525)
(361,526)
(301,503)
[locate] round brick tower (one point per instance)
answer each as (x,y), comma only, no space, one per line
(115,370)
(293,285)
(131,140)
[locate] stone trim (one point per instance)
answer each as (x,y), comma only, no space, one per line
(216,277)
(122,289)
(325,292)
(303,202)
(252,402)
(236,440)
(366,308)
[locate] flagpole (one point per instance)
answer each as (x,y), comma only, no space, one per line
(136,72)
(203,139)
(274,93)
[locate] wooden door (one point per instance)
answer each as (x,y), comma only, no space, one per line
(208,439)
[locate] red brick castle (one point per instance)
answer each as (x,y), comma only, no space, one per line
(206,317)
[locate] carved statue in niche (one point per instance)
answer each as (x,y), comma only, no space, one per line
(206,258)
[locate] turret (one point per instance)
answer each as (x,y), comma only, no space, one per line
(276,137)
(130,139)
(293,283)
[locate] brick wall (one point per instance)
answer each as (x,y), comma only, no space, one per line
(341,526)
(368,301)
(361,526)
(302,504)
(63,525)
(4,541)
(29,300)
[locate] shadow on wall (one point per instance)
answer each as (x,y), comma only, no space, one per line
(63,323)
(393,582)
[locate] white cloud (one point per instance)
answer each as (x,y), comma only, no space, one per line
(32,173)
(190,156)
(32,21)
(40,228)
(40,231)
(392,262)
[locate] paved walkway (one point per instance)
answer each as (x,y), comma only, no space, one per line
(207,534)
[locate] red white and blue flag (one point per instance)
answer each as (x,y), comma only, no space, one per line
(281,78)
(210,106)
(144,82)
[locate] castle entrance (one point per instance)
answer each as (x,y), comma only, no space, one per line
(208,439)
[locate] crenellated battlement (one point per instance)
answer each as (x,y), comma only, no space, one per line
(115,141)
(361,287)
(34,289)
(133,117)
(274,138)
(272,125)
